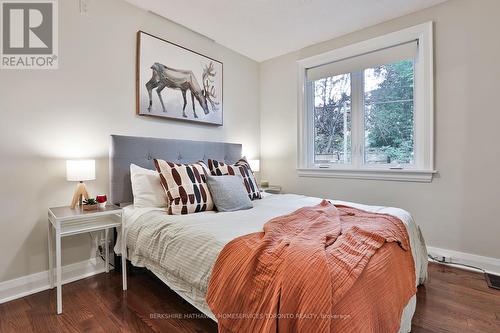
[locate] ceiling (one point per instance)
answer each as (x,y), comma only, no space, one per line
(263,29)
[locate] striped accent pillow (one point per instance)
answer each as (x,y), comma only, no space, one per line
(185,186)
(241,167)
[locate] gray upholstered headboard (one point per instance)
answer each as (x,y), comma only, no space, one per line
(141,151)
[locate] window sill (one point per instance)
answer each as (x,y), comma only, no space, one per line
(408,175)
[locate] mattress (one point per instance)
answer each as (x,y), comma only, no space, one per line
(182,249)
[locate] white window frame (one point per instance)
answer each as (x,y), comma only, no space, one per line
(423,168)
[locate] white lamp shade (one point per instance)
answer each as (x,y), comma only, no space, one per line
(254,165)
(80,170)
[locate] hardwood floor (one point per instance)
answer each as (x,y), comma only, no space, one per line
(454,300)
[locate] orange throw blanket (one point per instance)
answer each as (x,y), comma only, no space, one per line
(318,269)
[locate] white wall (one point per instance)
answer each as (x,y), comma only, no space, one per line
(49,116)
(459,209)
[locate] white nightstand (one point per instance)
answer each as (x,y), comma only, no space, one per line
(272,189)
(64,221)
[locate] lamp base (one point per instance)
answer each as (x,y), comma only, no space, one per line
(80,193)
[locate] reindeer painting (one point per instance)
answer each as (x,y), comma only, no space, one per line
(161,65)
(183,80)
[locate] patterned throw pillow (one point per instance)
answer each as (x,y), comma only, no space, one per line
(185,186)
(242,167)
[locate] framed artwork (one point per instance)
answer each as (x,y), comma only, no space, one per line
(178,83)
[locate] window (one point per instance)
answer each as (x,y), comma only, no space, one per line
(366,110)
(332,119)
(388,114)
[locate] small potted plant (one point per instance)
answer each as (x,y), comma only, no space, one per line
(90,204)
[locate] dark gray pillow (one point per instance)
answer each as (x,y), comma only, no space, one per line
(229,193)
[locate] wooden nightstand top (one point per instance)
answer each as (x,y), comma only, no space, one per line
(67,213)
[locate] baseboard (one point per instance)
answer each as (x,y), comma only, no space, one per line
(489,264)
(30,284)
(34,283)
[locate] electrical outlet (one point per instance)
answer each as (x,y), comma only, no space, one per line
(440,258)
(102,243)
(102,246)
(443,259)
(84,6)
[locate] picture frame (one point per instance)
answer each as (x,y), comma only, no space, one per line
(177,83)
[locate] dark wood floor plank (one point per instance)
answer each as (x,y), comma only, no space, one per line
(17,318)
(41,314)
(452,301)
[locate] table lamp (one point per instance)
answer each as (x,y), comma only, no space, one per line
(80,171)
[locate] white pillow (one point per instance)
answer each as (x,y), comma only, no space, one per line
(146,187)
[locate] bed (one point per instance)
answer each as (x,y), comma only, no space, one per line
(182,250)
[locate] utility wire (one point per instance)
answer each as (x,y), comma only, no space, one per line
(99,248)
(455,263)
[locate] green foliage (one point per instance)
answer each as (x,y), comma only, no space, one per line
(389,113)
(90,202)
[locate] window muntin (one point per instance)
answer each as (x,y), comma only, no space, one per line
(389,114)
(332,120)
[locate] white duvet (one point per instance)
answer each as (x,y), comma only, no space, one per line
(182,249)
